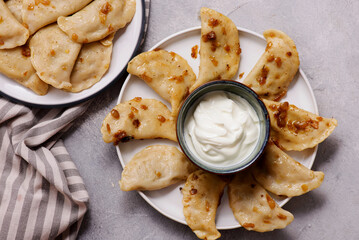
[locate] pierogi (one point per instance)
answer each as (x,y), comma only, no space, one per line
(165,72)
(280,174)
(201,196)
(276,68)
(92,63)
(15,7)
(53,55)
(16,64)
(12,32)
(37,14)
(252,206)
(295,129)
(97,20)
(138,119)
(155,167)
(219,48)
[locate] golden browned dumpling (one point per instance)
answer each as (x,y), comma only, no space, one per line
(165,72)
(219,48)
(253,208)
(37,14)
(16,64)
(15,7)
(201,195)
(53,55)
(12,33)
(280,174)
(274,71)
(295,129)
(155,167)
(91,64)
(138,119)
(97,20)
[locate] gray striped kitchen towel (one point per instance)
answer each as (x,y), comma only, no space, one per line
(42,195)
(41,192)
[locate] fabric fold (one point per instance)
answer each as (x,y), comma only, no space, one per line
(42,194)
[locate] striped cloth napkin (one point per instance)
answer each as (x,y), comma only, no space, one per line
(42,195)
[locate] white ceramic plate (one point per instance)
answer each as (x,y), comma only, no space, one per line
(126,43)
(168,201)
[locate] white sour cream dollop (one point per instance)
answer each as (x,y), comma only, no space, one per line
(223,129)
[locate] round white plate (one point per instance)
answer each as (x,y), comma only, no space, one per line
(168,201)
(126,43)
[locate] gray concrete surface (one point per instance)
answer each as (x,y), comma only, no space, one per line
(326,34)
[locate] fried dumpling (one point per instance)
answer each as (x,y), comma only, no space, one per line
(37,14)
(53,55)
(97,20)
(138,119)
(165,72)
(16,64)
(201,196)
(295,129)
(91,64)
(12,33)
(252,206)
(15,7)
(155,167)
(219,48)
(280,174)
(276,68)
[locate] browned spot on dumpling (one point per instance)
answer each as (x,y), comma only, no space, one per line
(227,48)
(213,60)
(270,58)
(161,118)
(25,51)
(121,136)
(136,123)
(270,201)
(263,77)
(133,109)
(248,225)
(131,115)
(281,114)
(211,36)
(194,51)
(110,29)
(212,22)
(239,50)
(30,7)
(193,191)
(74,36)
(137,99)
(224,32)
(145,77)
(115,114)
(144,107)
(269,45)
(305,187)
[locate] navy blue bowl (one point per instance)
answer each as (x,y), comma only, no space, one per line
(235,88)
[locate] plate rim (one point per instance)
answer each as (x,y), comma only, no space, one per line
(112,82)
(187,30)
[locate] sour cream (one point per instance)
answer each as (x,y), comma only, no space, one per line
(223,129)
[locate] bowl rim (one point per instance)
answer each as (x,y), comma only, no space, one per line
(266,121)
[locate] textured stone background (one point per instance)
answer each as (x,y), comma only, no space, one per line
(326,35)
